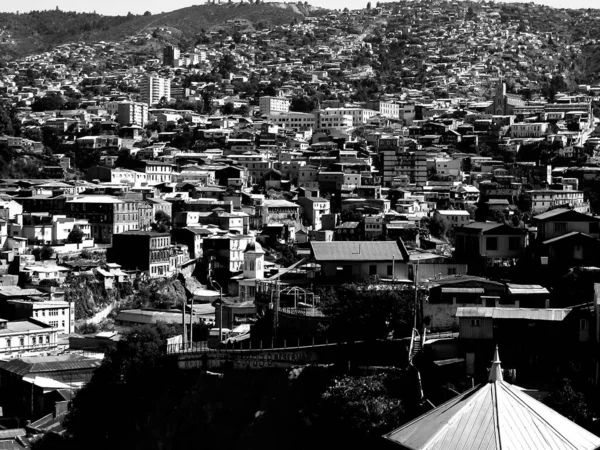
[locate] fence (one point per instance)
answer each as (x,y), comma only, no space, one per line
(261,346)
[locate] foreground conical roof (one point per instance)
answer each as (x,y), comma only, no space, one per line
(496,415)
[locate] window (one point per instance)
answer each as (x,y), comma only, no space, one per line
(560,227)
(21,342)
(390,271)
(8,343)
(372,270)
(33,341)
(491,243)
(583,324)
(451,270)
(475,322)
(47,339)
(514,243)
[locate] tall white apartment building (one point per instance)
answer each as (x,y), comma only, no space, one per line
(270,105)
(153,88)
(133,113)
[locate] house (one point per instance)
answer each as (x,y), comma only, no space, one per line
(487,240)
(571,249)
(347,231)
(26,335)
(223,255)
(353,260)
(447,294)
(561,221)
(278,211)
(542,200)
(57,314)
(455,218)
(312,209)
(146,251)
(536,342)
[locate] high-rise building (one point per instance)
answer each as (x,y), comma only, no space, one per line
(171,56)
(153,88)
(399,158)
(133,113)
(270,105)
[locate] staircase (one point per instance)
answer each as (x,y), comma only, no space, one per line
(416,344)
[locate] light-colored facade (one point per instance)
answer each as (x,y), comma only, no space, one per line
(293,120)
(153,88)
(57,314)
(133,113)
(529,130)
(26,335)
(542,200)
(270,105)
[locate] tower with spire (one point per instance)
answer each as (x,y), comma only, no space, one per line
(495,416)
(254,269)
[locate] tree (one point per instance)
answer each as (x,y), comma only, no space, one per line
(364,311)
(162,222)
(438,226)
(120,394)
(568,402)
(6,122)
(369,5)
(228,108)
(76,235)
(47,103)
(226,66)
(366,406)
(243,110)
(351,215)
(42,253)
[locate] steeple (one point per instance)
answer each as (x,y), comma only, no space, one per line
(496,370)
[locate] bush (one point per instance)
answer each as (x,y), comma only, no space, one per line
(42,253)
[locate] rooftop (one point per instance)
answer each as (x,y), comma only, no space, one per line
(493,416)
(357,251)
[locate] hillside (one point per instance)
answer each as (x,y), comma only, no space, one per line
(22,34)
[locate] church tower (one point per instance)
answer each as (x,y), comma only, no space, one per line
(254,261)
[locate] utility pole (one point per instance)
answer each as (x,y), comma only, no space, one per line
(191,323)
(416,294)
(183,305)
(213,282)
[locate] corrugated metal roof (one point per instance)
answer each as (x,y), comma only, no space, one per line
(356,251)
(493,416)
(12,433)
(39,364)
(446,290)
(527,289)
(514,313)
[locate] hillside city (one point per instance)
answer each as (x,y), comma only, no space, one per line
(405,196)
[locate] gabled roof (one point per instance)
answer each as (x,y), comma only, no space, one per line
(358,251)
(566,215)
(572,236)
(491,228)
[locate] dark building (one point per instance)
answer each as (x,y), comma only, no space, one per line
(147,251)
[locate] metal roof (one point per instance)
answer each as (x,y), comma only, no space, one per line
(493,416)
(514,313)
(527,289)
(357,251)
(39,364)
(446,290)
